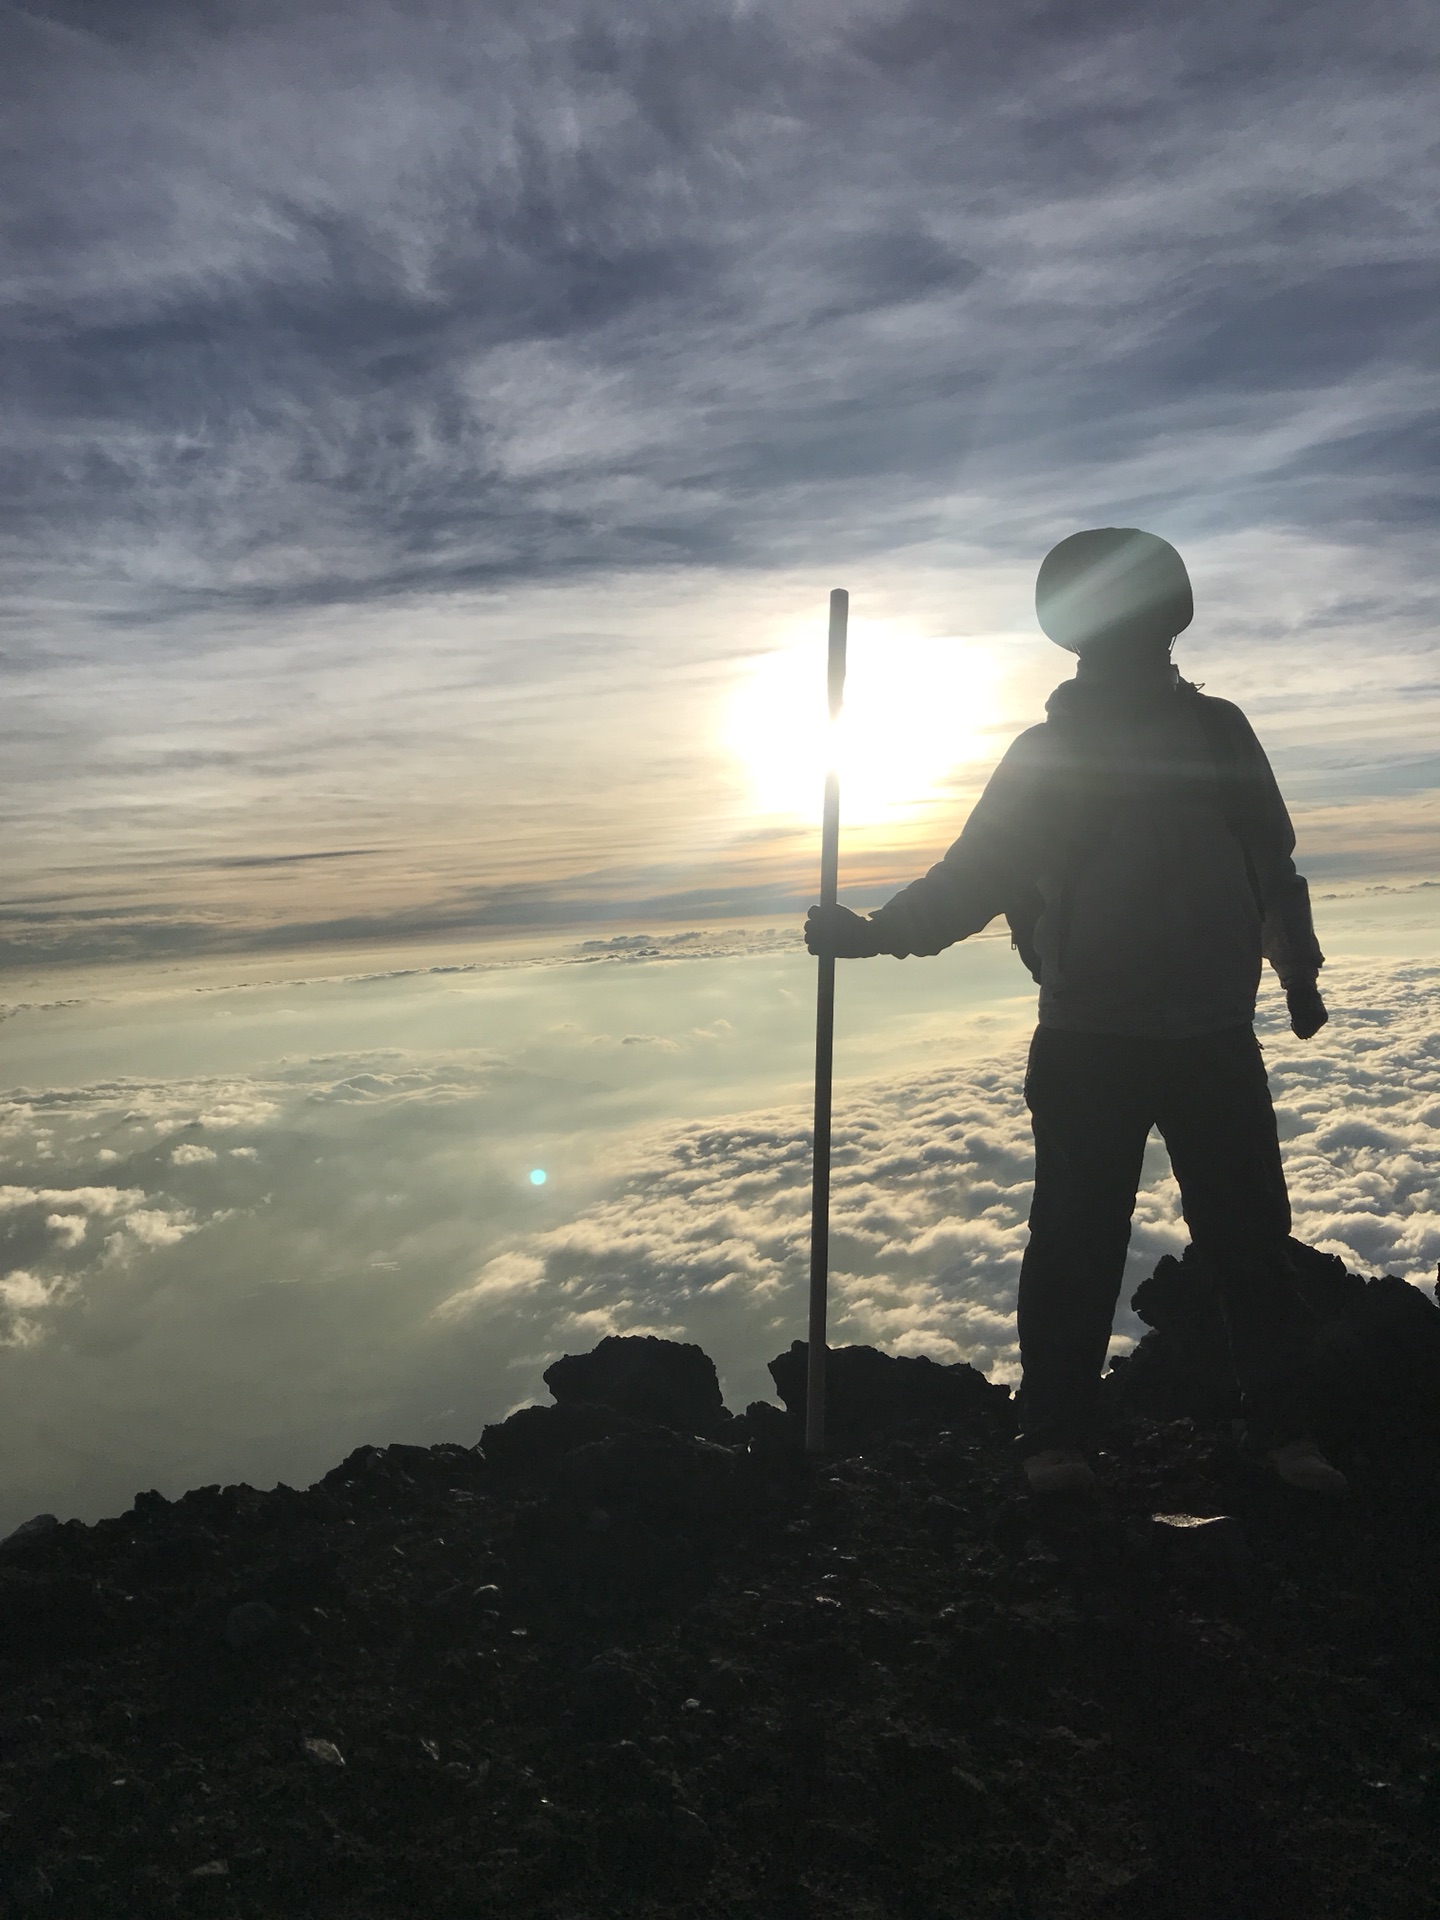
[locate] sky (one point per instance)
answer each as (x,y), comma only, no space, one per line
(424,424)
(431,435)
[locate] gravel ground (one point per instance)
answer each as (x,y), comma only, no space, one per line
(601,1666)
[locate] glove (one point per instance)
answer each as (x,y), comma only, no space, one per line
(1307,1010)
(836,930)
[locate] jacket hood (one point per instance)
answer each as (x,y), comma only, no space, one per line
(1092,695)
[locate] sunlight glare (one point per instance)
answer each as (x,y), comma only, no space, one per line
(915,709)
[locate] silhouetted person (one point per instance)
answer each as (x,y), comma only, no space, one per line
(1138,844)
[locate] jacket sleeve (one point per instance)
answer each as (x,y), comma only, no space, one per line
(995,859)
(1287,934)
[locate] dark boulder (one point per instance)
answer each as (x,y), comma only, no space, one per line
(772,1434)
(539,1436)
(1372,1365)
(668,1382)
(869,1393)
(1394,1381)
(1182,1368)
(39,1528)
(397,1465)
(1325,1283)
(1180,1302)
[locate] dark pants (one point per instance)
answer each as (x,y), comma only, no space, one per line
(1093,1099)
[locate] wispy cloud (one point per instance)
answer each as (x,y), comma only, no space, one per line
(320,306)
(444,380)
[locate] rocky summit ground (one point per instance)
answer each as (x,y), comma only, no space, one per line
(632,1655)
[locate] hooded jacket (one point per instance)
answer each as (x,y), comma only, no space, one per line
(1140,829)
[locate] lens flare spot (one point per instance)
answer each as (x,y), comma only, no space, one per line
(537,1176)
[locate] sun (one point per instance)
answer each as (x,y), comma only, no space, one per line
(916,708)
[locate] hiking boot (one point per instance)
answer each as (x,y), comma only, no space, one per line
(1059,1470)
(1300,1463)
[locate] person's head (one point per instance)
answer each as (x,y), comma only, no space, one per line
(1114,595)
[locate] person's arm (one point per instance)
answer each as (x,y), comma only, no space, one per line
(996,855)
(1287,933)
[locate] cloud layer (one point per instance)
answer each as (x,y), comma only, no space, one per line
(931,1190)
(243,1275)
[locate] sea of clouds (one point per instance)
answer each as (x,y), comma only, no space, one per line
(241,1273)
(931,1188)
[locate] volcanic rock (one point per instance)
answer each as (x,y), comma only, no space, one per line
(28,1529)
(1372,1365)
(868,1393)
(539,1436)
(667,1382)
(1189,1360)
(611,1666)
